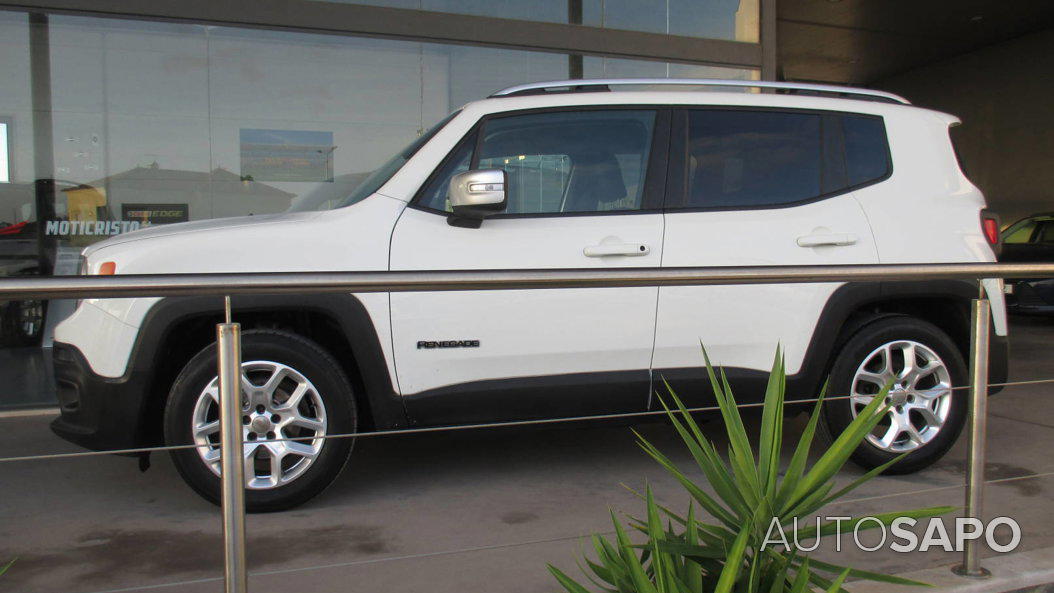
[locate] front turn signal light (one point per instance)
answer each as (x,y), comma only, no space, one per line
(107,268)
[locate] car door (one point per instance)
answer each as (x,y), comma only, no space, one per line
(584,190)
(753,188)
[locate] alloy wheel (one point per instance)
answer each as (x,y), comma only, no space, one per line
(278,402)
(920,394)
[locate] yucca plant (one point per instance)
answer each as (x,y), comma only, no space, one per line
(683,554)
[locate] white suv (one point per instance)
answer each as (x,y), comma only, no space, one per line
(554,176)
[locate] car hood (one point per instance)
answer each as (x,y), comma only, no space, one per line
(182,228)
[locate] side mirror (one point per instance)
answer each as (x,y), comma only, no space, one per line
(475,195)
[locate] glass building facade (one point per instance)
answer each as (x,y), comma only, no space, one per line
(108,124)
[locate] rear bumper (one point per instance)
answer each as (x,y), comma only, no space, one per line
(96,412)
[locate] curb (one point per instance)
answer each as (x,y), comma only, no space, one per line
(1009,572)
(28,412)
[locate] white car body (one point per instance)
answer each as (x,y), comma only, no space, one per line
(380,233)
(529,341)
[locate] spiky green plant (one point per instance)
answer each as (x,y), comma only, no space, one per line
(4,568)
(682,554)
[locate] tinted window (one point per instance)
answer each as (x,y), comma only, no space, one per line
(1046,232)
(575,161)
(744,158)
(866,151)
(1019,232)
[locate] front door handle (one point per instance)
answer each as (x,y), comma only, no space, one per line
(820,240)
(603,249)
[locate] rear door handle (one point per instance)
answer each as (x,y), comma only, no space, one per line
(629,249)
(820,240)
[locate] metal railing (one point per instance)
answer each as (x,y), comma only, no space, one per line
(229,344)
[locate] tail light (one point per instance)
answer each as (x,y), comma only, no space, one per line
(990,230)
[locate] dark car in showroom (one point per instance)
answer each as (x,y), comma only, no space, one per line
(1030,239)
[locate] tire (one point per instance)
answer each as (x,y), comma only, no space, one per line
(924,436)
(281,364)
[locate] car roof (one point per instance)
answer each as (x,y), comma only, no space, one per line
(721,98)
(612,84)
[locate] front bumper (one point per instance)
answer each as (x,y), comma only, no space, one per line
(96,412)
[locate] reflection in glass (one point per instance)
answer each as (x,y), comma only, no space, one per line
(158,123)
(355,187)
(733,20)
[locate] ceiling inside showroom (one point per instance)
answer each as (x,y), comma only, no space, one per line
(863,41)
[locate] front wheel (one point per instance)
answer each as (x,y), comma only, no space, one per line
(291,389)
(922,365)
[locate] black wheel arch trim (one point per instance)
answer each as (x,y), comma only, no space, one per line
(346,310)
(834,326)
(836,320)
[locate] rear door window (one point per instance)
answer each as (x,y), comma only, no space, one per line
(738,158)
(752,158)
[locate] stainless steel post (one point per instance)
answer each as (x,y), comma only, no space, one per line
(229,342)
(981,314)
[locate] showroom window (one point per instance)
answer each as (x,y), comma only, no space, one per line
(132,123)
(733,20)
(5,149)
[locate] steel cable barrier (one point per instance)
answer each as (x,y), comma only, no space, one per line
(229,347)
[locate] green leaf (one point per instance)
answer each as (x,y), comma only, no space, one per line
(704,499)
(771,438)
(796,467)
(694,576)
(734,563)
(778,577)
(809,504)
(864,478)
(636,571)
(741,454)
(801,580)
(565,581)
(836,586)
(838,453)
(7,566)
(865,574)
(693,550)
(706,457)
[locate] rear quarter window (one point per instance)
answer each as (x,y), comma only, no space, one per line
(866,149)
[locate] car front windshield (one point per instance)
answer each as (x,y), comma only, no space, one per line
(350,188)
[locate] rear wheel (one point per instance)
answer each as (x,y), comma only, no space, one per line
(922,365)
(291,389)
